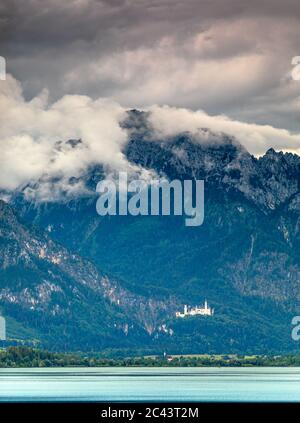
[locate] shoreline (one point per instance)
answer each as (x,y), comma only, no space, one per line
(25,357)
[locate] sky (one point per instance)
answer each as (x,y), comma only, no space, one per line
(224,63)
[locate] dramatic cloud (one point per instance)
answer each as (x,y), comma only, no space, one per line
(168,121)
(34,136)
(222,56)
(56,142)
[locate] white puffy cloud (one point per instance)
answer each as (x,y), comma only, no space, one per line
(168,121)
(35,134)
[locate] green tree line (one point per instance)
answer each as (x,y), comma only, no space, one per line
(29,357)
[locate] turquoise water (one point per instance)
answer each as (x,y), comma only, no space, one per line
(150,384)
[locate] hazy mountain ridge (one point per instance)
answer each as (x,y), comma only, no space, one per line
(220,160)
(244,258)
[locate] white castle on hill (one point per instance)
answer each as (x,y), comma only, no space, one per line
(196,311)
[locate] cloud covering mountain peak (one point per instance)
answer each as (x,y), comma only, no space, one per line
(34,135)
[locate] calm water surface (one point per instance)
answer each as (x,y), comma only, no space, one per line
(150,384)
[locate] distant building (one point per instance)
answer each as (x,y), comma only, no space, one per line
(196,311)
(2,329)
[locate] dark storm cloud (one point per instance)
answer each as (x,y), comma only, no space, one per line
(7,14)
(225,56)
(52,21)
(228,60)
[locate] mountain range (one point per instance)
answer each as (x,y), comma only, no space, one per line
(72,280)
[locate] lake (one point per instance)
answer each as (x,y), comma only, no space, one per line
(150,384)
